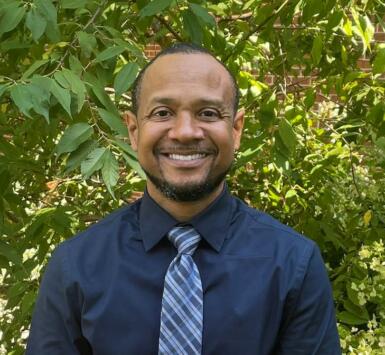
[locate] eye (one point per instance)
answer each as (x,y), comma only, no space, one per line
(209,114)
(161,113)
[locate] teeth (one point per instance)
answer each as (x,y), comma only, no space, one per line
(186,157)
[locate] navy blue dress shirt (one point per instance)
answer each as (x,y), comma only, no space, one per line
(265,287)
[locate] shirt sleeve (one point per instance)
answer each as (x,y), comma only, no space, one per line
(310,326)
(55,327)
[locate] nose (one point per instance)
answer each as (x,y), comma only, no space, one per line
(185,127)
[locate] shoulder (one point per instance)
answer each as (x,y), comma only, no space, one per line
(101,241)
(269,237)
(268,226)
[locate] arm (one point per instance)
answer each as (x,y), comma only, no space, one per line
(310,324)
(55,327)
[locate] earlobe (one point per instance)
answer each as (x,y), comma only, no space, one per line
(132,127)
(238,127)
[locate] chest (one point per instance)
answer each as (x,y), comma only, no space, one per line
(244,299)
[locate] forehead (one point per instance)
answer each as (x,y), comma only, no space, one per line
(186,74)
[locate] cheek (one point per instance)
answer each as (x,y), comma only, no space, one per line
(148,137)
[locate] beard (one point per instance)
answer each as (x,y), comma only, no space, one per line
(188,192)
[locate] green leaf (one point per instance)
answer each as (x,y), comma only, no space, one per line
(93,162)
(379,61)
(247,155)
(62,95)
(110,171)
(350,318)
(114,122)
(36,65)
(28,96)
(3,88)
(69,80)
(99,92)
(192,26)
(154,7)
(363,28)
(108,53)
(75,65)
(125,77)
(73,4)
(316,51)
(359,311)
(126,148)
(310,96)
(10,253)
(134,165)
(47,9)
(202,14)
(35,23)
(10,16)
(287,134)
(76,157)
(380,143)
(87,43)
(27,302)
(73,136)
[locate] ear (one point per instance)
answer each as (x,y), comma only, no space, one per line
(238,127)
(132,126)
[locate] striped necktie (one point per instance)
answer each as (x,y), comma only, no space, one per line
(182,303)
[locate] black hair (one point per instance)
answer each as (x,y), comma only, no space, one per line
(187,48)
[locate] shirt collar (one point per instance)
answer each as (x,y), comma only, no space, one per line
(212,223)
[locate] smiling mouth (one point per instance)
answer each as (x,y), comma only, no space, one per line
(186,157)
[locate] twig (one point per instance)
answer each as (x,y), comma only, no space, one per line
(244,16)
(167,25)
(88,24)
(254,30)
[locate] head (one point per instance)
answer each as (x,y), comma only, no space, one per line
(185,126)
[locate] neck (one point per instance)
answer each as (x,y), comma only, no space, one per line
(182,211)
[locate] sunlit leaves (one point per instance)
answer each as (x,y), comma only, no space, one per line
(363,28)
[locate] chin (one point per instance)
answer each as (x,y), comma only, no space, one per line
(187,191)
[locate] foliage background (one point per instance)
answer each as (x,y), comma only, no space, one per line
(313,154)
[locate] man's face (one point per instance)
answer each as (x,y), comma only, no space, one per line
(185,131)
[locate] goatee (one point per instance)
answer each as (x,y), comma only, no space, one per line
(190,191)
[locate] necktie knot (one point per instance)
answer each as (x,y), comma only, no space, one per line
(185,239)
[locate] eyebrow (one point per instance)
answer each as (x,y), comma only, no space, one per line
(205,102)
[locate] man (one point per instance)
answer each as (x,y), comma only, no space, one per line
(187,269)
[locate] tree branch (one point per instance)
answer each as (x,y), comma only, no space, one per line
(167,25)
(244,16)
(255,29)
(88,24)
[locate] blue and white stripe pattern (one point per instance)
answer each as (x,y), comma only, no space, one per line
(182,303)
